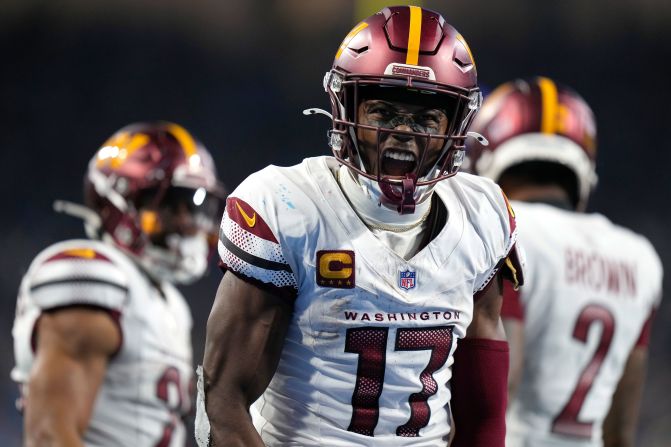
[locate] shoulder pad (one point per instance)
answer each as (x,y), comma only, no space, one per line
(77,272)
(249,245)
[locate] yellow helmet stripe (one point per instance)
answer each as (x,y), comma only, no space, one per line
(116,150)
(550,105)
(365,8)
(349,37)
(185,139)
(414,35)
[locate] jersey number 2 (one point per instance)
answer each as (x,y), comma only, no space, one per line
(566,422)
(371,345)
(170,377)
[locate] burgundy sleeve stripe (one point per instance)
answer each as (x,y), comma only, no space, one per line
(78,281)
(244,215)
(251,259)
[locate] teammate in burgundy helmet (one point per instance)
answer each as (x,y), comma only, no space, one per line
(101,336)
(352,279)
(578,329)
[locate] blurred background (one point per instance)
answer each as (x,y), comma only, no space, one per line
(238,73)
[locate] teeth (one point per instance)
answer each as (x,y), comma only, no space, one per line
(402,156)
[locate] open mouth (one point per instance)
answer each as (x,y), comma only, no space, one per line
(398,163)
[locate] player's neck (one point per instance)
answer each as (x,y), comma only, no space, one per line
(372,213)
(550,194)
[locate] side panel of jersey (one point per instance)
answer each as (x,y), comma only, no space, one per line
(590,287)
(368,355)
(146,386)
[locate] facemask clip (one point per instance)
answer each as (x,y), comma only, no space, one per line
(407,205)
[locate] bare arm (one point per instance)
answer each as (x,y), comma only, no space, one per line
(245,335)
(619,427)
(487,313)
(73,348)
(512,314)
(515,335)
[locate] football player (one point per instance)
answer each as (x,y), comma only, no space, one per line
(579,327)
(352,279)
(101,335)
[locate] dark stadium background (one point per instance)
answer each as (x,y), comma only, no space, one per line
(237,73)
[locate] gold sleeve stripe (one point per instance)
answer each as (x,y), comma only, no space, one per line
(510,208)
(185,139)
(80,253)
(349,37)
(550,105)
(414,35)
(513,270)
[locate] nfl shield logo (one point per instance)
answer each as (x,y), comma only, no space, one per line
(406,280)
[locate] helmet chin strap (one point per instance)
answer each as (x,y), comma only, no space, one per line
(407,205)
(182,261)
(405,198)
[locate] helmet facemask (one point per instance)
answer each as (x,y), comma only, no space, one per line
(155,192)
(401,192)
(178,224)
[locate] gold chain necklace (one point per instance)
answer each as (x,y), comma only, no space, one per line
(399,228)
(383,227)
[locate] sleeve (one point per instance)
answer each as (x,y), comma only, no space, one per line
(248,246)
(513,263)
(480,392)
(78,276)
(510,258)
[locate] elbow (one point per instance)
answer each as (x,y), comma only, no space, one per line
(41,435)
(47,431)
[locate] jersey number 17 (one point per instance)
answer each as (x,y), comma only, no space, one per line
(370,343)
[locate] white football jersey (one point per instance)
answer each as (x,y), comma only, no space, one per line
(145,391)
(590,286)
(368,355)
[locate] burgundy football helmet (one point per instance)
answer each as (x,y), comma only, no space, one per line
(413,50)
(145,174)
(536,120)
